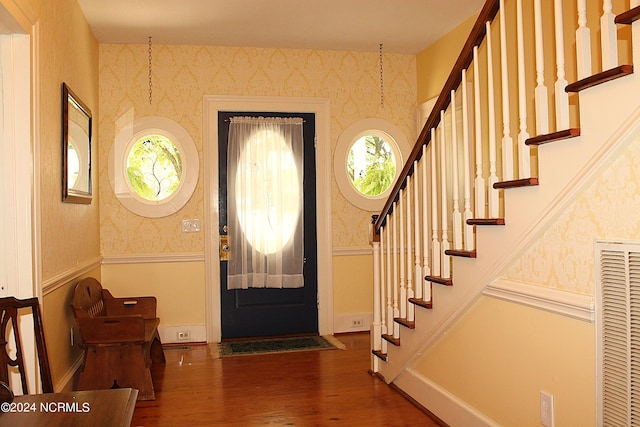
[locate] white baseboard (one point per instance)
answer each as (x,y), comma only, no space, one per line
(441,403)
(169,333)
(352,322)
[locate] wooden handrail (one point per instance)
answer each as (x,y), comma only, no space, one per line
(488,12)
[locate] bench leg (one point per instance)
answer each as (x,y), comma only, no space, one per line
(117,366)
(157,353)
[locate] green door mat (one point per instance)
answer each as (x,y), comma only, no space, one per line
(276,345)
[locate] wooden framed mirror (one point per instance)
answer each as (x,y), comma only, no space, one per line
(76,149)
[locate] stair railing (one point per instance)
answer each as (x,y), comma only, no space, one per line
(459,165)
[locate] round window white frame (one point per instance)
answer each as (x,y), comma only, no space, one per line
(371,126)
(128,135)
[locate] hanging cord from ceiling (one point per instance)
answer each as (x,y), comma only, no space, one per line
(150,82)
(381,78)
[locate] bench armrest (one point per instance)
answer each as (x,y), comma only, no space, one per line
(112,329)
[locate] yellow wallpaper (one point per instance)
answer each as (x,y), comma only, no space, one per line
(563,257)
(182,75)
(68,52)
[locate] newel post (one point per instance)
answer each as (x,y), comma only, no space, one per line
(376,326)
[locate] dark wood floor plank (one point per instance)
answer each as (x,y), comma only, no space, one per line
(326,387)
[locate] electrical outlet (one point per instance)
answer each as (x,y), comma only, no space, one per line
(184,335)
(546,409)
(357,323)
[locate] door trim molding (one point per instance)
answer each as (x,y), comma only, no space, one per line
(318,106)
(18,181)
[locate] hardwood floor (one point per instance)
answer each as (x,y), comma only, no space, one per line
(313,388)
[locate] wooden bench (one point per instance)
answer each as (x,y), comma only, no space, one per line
(120,338)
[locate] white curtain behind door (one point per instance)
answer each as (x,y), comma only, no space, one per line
(264,202)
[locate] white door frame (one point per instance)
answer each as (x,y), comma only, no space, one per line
(17,257)
(20,270)
(214,104)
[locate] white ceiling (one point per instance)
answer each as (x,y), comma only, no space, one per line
(402,26)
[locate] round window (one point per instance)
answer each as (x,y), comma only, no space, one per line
(367,161)
(371,165)
(154,167)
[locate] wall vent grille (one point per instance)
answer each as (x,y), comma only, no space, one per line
(618,333)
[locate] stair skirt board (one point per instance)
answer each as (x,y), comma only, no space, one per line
(443,404)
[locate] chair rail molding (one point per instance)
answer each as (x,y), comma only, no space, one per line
(152,258)
(570,304)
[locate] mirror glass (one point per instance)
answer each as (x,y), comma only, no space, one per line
(76,148)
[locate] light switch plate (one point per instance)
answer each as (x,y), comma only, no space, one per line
(190,225)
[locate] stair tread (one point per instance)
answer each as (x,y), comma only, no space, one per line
(596,79)
(380,354)
(554,136)
(461,253)
(422,303)
(440,280)
(514,183)
(411,324)
(485,221)
(391,339)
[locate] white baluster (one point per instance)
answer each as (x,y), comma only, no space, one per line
(493,178)
(417,166)
(608,36)
(383,280)
(561,96)
(480,189)
(541,94)
(507,141)
(444,219)
(388,317)
(403,278)
(523,150)
(583,42)
(410,270)
(469,242)
(457,215)
(435,220)
(426,270)
(396,311)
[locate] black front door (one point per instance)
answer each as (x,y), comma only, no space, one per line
(271,312)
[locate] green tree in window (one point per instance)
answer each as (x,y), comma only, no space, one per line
(380,168)
(154,167)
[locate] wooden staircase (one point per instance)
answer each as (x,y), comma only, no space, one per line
(409,318)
